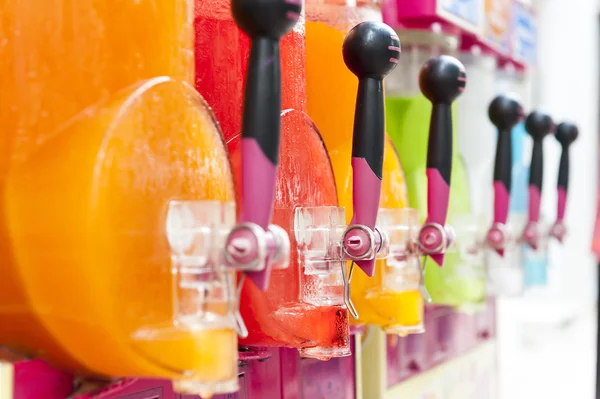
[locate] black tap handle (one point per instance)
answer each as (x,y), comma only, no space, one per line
(563,169)
(265,21)
(442,80)
(538,125)
(566,133)
(371,51)
(505,111)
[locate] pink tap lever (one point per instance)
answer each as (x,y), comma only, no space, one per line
(442,80)
(254,245)
(371,51)
(504,112)
(538,125)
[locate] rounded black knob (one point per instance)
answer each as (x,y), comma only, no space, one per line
(566,133)
(371,49)
(538,124)
(442,79)
(270,18)
(505,111)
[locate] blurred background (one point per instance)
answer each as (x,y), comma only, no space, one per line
(546,342)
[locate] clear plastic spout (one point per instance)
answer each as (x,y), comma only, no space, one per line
(319,232)
(402,283)
(203,298)
(324,279)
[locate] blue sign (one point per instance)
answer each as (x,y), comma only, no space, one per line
(469,11)
(524,34)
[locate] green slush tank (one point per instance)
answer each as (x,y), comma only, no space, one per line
(461,281)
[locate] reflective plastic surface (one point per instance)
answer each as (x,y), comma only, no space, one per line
(107,150)
(52,69)
(120,247)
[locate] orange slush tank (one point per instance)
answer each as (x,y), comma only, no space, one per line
(105,142)
(42,74)
(331,87)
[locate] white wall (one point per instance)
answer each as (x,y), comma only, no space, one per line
(566,84)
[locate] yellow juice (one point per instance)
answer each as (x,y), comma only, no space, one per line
(405,307)
(206,353)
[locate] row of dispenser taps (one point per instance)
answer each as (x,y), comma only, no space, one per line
(505,112)
(371,51)
(206,256)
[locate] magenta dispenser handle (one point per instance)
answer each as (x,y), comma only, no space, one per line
(538,125)
(504,112)
(566,133)
(442,79)
(265,21)
(371,51)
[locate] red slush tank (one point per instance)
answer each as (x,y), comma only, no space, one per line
(222,52)
(281,316)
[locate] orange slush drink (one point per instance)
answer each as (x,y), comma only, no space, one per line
(331,87)
(106,150)
(375,303)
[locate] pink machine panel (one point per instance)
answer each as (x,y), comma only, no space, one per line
(282,374)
